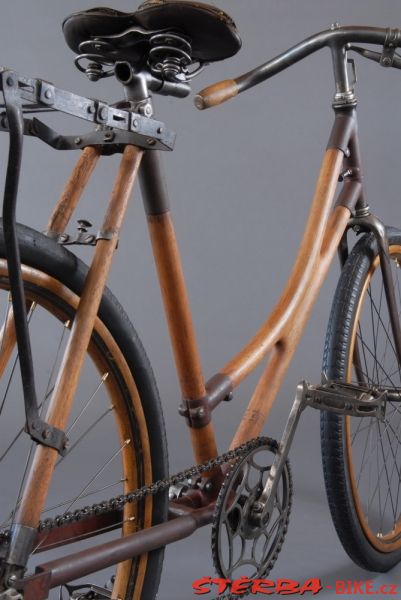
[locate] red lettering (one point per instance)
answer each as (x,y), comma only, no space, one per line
(358,587)
(198,585)
(369,587)
(392,589)
(287,587)
(262,586)
(340,587)
(313,585)
(239,586)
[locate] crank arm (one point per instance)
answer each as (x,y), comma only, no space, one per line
(264,505)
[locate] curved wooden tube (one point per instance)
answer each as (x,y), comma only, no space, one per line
(285,314)
(281,355)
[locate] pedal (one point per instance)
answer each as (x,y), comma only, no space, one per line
(347,399)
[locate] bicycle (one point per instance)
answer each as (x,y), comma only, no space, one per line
(54,280)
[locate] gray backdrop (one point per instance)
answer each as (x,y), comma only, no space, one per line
(240,180)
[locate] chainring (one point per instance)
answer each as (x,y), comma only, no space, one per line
(240,547)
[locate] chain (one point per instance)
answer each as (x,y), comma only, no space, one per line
(119,502)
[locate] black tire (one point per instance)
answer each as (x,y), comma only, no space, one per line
(361,458)
(45,256)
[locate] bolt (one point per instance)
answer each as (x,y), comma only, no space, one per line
(90,108)
(150,142)
(77,140)
(147,110)
(208,486)
(33,426)
(46,433)
(48,94)
(66,444)
(135,124)
(347,152)
(357,228)
(258,507)
(200,412)
(10,81)
(108,136)
(386,61)
(160,130)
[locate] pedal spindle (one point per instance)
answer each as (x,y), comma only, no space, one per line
(170,56)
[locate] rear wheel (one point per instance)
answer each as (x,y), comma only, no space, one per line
(362,456)
(116,429)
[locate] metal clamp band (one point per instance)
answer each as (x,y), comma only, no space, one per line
(390,45)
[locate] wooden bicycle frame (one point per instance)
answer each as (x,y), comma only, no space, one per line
(278,336)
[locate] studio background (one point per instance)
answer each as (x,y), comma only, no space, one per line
(241,180)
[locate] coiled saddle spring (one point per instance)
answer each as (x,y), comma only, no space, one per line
(170,57)
(93,51)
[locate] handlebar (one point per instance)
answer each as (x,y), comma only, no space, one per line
(338,39)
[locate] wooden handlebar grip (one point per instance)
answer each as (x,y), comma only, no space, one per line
(216,94)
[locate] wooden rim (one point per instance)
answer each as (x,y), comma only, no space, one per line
(129,460)
(392,540)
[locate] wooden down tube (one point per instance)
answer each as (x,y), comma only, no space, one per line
(283,329)
(58,221)
(35,491)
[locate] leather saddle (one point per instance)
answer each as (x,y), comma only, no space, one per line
(211,33)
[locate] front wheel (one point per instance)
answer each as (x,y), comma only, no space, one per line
(116,429)
(362,456)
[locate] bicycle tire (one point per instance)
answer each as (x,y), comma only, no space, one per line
(360,457)
(54,279)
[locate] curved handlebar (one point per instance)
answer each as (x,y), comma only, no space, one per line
(335,38)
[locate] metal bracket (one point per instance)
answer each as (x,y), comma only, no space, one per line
(86,591)
(196,412)
(118,126)
(390,45)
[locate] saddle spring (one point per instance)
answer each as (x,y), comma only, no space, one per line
(92,51)
(170,56)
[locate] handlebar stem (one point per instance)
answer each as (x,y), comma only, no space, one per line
(344,95)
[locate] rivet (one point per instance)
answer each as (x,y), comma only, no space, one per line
(77,140)
(103,113)
(48,94)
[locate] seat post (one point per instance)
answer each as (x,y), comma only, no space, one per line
(135,87)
